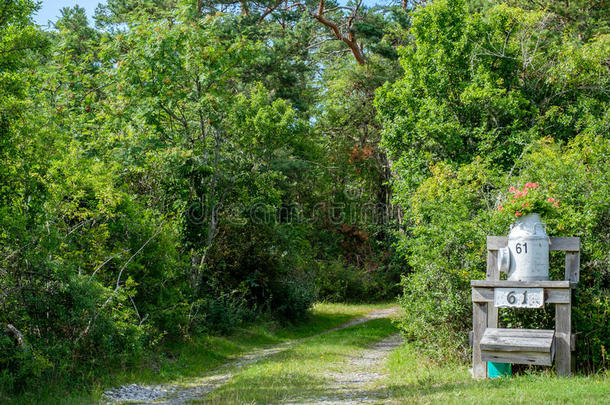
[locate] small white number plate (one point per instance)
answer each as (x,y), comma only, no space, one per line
(518,297)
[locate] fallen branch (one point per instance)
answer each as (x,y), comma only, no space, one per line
(12,330)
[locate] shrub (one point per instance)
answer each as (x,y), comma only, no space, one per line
(341,282)
(293,297)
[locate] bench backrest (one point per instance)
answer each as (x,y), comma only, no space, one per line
(570,245)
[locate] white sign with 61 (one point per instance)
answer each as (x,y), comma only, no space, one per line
(518,297)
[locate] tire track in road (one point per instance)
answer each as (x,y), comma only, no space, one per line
(356,381)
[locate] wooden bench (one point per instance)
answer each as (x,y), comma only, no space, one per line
(524,346)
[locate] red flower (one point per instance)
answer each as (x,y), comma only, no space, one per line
(500,208)
(551,199)
(556,204)
(517,213)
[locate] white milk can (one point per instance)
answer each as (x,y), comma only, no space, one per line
(527,255)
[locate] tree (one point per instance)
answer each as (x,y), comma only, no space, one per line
(481,84)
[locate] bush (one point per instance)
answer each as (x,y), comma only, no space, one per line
(217,314)
(341,282)
(293,297)
(338,282)
(445,247)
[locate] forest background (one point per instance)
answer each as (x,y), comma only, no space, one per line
(183,167)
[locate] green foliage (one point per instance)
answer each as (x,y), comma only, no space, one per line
(486,84)
(139,158)
(340,283)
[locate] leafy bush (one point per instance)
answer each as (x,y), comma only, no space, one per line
(293,297)
(338,282)
(341,282)
(221,313)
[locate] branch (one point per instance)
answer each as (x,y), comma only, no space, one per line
(116,289)
(10,329)
(269,11)
(350,40)
(174,116)
(118,280)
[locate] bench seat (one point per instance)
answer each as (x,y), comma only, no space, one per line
(518,346)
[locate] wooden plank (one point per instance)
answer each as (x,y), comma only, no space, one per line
(516,344)
(557,296)
(573,342)
(479,324)
(496,242)
(569,244)
(572,267)
(534,358)
(492,265)
(482,294)
(535,333)
(511,340)
(563,319)
(551,295)
(492,274)
(520,284)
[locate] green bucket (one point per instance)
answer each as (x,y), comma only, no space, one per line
(495,370)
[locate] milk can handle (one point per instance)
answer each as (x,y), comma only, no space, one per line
(544,227)
(541,224)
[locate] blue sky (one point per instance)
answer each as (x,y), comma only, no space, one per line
(50,9)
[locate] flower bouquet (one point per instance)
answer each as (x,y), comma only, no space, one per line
(529,200)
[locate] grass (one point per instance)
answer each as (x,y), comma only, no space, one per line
(414,379)
(180,360)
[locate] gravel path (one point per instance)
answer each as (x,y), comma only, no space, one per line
(182,393)
(358,378)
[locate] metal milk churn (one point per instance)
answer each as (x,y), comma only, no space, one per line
(527,255)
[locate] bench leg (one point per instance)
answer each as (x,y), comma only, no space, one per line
(479,322)
(563,331)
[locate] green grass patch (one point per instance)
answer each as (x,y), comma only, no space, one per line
(414,379)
